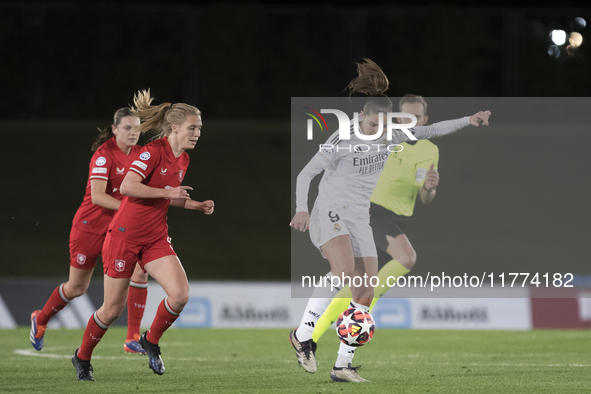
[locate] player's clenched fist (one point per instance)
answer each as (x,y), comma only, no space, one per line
(206,207)
(300,221)
(432,179)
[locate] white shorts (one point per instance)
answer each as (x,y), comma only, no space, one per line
(330,222)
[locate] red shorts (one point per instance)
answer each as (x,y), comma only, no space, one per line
(120,257)
(85,248)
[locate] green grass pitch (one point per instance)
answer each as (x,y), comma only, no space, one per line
(262,361)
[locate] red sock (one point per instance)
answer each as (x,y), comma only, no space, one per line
(164,318)
(56,302)
(95,329)
(136,305)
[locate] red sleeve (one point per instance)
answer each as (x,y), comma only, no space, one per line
(100,165)
(146,161)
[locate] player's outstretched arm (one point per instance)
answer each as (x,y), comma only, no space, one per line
(480,118)
(445,127)
(132,186)
(206,206)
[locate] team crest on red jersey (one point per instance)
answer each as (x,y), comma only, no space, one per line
(119,265)
(181,175)
(81,259)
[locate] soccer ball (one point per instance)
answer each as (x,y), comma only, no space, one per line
(355,327)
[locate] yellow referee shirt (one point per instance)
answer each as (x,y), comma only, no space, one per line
(403,175)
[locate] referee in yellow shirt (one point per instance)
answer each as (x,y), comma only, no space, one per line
(408,173)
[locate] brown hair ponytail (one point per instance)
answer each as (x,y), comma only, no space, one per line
(107,132)
(372,82)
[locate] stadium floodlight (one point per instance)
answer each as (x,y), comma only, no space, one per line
(575,39)
(581,23)
(554,51)
(558,37)
(577,24)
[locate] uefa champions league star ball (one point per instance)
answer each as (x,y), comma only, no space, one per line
(355,327)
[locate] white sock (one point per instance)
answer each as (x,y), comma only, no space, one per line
(345,356)
(357,305)
(320,300)
(346,352)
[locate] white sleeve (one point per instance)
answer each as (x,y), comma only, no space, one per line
(438,129)
(321,160)
(313,168)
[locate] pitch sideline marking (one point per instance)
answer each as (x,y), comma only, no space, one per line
(35,353)
(483,364)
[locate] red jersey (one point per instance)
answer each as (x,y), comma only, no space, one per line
(108,163)
(143,220)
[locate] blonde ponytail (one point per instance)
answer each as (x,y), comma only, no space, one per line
(160,117)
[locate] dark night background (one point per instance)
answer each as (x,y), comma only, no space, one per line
(66,67)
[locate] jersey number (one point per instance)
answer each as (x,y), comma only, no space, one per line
(333,217)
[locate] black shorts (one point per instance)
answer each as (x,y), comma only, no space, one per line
(385,222)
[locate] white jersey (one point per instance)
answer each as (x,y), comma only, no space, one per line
(352,167)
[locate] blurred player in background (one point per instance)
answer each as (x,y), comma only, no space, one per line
(139,232)
(339,223)
(115,148)
(408,173)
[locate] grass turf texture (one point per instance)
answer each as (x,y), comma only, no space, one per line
(263,361)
